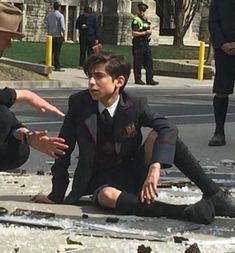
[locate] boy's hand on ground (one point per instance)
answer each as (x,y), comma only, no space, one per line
(42,199)
(149,188)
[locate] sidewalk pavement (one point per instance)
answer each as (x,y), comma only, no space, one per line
(76,78)
(73,77)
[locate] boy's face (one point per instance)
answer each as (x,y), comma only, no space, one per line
(5,41)
(101,85)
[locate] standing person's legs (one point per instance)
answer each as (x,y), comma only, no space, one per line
(223,86)
(83,50)
(57,44)
(148,65)
(137,61)
(90,44)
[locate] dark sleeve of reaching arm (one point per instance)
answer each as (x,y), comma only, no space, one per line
(7,97)
(60,175)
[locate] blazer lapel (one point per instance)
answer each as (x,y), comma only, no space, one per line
(120,121)
(90,118)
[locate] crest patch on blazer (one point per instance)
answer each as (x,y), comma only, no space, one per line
(130,130)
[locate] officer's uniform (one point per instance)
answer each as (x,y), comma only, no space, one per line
(141,51)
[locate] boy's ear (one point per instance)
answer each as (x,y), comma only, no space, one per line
(120,81)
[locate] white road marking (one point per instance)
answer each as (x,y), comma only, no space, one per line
(167,116)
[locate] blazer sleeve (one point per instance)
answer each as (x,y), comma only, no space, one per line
(164,147)
(79,23)
(7,97)
(214,23)
(60,175)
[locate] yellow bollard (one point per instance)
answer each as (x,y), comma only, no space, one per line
(49,54)
(201,61)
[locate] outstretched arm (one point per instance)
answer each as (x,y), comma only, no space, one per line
(36,101)
(39,140)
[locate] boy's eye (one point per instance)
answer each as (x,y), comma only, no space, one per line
(97,75)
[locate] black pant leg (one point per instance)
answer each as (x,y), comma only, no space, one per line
(90,44)
(83,50)
(220,106)
(56,47)
(138,51)
(148,64)
(187,163)
(129,204)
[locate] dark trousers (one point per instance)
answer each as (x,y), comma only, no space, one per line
(130,176)
(56,48)
(13,153)
(129,204)
(85,49)
(142,56)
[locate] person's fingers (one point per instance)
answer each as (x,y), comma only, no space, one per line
(147,195)
(57,140)
(142,195)
(59,152)
(53,155)
(53,109)
(152,192)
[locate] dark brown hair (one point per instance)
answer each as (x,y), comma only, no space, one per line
(115,65)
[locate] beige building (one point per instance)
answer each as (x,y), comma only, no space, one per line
(114,17)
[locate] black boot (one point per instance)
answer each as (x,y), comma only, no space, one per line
(224,203)
(201,212)
(140,82)
(217,140)
(152,82)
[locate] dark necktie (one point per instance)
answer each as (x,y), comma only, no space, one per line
(106,117)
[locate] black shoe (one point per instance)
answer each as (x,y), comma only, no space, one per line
(3,211)
(217,140)
(152,82)
(224,203)
(201,212)
(140,82)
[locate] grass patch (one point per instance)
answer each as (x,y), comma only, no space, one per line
(35,52)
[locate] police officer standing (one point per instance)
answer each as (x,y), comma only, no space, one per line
(141,32)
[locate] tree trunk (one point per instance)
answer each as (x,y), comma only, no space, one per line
(178,41)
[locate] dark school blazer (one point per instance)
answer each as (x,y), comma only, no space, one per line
(222,22)
(80,126)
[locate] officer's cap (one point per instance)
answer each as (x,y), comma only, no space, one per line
(142,6)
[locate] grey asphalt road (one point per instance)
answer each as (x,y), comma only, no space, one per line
(191,109)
